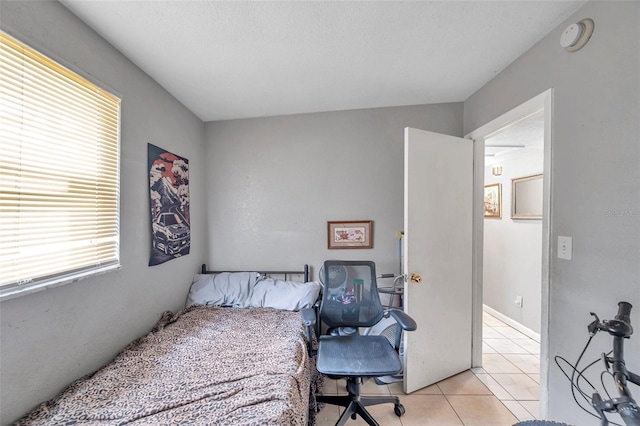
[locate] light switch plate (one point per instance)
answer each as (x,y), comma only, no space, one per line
(565,246)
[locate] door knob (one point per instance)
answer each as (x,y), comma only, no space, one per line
(415,278)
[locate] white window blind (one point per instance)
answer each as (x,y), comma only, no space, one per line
(59,178)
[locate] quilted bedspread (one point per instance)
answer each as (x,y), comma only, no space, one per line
(203,365)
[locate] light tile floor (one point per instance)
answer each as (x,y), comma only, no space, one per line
(511,367)
(501,393)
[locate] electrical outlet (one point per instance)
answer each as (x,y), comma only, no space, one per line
(518,301)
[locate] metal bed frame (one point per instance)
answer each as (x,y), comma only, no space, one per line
(304,272)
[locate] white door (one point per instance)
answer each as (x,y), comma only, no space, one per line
(438,212)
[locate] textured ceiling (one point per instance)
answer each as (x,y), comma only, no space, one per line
(230,59)
(516,139)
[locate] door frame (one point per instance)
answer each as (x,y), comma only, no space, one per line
(543,101)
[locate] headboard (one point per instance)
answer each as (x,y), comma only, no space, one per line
(304,272)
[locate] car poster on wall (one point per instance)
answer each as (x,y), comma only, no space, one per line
(169,201)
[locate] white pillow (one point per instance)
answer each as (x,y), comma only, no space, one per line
(223,289)
(289,295)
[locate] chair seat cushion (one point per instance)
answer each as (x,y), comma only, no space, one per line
(357,356)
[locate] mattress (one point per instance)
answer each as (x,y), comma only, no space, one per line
(202,365)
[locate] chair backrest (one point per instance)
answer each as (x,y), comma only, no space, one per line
(350,294)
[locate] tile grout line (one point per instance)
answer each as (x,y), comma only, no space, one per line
(454,410)
(502,355)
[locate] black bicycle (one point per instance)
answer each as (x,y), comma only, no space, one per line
(624,404)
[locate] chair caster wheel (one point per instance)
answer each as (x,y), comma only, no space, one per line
(353,416)
(399,410)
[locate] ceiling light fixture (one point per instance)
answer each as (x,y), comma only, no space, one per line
(504,146)
(575,36)
(502,149)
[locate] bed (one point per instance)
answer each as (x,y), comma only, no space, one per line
(240,359)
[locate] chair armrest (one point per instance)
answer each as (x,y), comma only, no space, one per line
(309,319)
(404,321)
(308,316)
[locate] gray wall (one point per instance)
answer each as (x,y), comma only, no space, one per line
(340,165)
(513,248)
(273,183)
(595,178)
(53,337)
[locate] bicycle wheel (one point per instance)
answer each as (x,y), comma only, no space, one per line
(540,423)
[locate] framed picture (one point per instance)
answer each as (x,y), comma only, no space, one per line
(526,197)
(350,234)
(493,200)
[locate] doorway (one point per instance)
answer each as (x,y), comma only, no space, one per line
(490,139)
(512,264)
(512,244)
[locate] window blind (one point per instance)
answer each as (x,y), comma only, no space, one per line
(59,179)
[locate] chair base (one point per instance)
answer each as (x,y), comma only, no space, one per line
(355,404)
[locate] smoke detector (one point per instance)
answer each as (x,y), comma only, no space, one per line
(575,36)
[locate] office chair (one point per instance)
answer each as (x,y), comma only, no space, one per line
(350,300)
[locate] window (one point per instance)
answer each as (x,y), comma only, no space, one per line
(59,175)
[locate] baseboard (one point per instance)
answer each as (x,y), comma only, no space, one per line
(512,323)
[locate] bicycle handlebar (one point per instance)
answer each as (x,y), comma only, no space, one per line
(624,312)
(618,327)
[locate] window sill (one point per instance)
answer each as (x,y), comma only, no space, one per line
(23,290)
